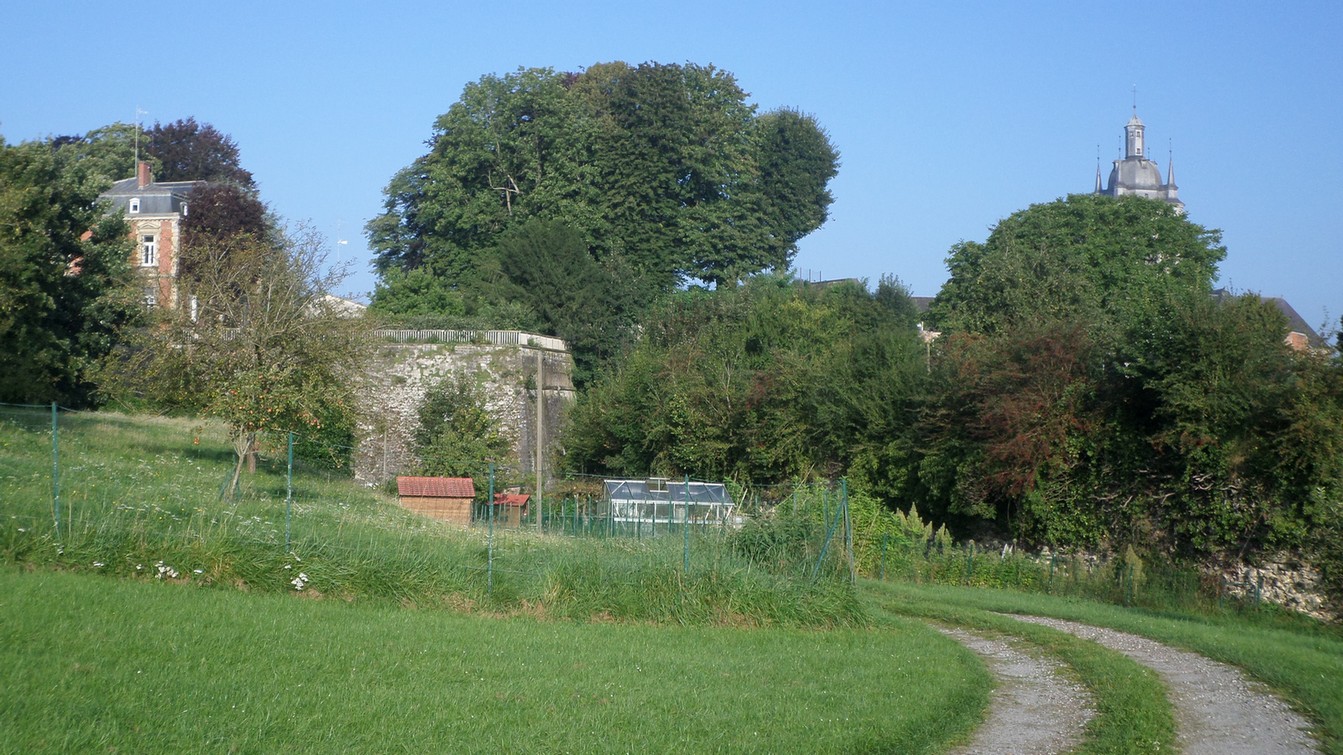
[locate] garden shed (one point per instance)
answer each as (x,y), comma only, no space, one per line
(510,508)
(449,499)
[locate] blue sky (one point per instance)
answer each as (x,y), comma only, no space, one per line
(948,115)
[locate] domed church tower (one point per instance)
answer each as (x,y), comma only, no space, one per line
(1136,174)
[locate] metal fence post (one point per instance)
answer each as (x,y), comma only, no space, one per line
(685,525)
(289,494)
(489,539)
(55,470)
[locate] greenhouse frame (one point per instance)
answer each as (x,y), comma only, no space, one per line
(658,501)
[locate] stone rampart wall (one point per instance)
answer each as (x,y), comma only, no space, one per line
(403,372)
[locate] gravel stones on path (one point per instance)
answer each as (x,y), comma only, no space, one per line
(1034,708)
(1218,711)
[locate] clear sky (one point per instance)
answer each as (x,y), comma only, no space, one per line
(948,115)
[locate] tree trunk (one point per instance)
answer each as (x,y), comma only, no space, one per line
(244,446)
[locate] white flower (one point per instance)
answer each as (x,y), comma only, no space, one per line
(197,571)
(98,564)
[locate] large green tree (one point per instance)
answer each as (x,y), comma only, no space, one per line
(1086,258)
(665,167)
(765,382)
(1091,389)
(65,279)
(546,266)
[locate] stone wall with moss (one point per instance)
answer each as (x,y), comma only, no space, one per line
(403,372)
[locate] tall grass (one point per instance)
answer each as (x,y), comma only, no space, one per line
(902,547)
(140,498)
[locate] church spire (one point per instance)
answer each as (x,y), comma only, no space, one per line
(1133,137)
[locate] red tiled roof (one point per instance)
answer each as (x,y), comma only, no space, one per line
(511,499)
(436,487)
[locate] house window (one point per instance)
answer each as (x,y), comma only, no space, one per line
(151,295)
(184,209)
(149,250)
(135,205)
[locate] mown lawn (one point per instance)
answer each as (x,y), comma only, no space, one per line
(89,663)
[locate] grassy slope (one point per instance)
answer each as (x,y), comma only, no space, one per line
(96,664)
(137,492)
(92,663)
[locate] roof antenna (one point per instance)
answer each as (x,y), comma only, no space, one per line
(1135,99)
(138,113)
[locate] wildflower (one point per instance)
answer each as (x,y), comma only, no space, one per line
(300,581)
(197,571)
(98,564)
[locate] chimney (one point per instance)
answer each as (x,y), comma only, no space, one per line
(142,177)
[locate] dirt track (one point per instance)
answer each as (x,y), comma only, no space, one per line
(1034,710)
(1218,711)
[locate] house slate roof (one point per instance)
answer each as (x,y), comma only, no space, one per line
(436,487)
(157,198)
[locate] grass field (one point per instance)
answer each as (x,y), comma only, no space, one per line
(160,618)
(96,664)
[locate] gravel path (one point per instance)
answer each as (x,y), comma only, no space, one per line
(1218,711)
(1034,709)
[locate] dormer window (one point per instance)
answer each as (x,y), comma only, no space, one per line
(135,205)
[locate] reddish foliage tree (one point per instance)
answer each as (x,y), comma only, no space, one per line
(191,151)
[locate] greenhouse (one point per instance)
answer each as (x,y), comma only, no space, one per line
(657,502)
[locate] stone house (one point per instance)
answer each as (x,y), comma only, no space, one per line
(154,211)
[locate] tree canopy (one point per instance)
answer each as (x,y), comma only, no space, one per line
(765,382)
(189,151)
(1087,258)
(664,166)
(264,349)
(65,277)
(1091,389)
